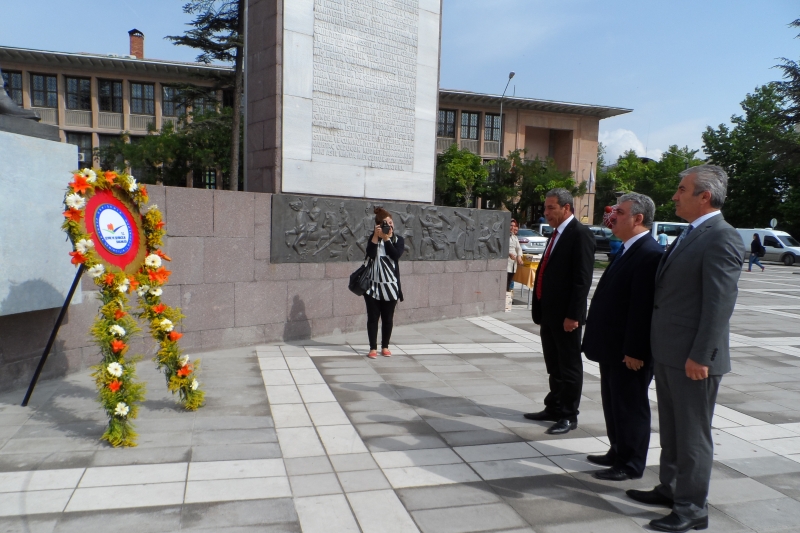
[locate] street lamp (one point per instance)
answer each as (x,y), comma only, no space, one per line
(500,145)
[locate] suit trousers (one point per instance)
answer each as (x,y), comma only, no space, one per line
(562,357)
(626,407)
(685,410)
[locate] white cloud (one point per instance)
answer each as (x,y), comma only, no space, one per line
(618,141)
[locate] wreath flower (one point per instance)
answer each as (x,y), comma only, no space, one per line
(118,390)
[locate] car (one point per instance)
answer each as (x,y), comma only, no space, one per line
(602,238)
(544,229)
(672,229)
(531,242)
(779,245)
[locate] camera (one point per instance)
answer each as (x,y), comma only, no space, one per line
(385,228)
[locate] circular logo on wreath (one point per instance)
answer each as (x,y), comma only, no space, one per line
(115,230)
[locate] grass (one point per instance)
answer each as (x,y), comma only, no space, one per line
(601,264)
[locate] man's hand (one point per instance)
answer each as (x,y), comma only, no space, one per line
(696,371)
(570,325)
(633,364)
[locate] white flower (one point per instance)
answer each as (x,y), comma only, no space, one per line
(153,261)
(75,201)
(156,292)
(132,185)
(122,409)
(116,330)
(166,325)
(123,287)
(97,270)
(115,369)
(146,209)
(142,290)
(195,384)
(183,360)
(89,174)
(84,245)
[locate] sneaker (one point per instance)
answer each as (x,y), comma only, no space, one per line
(386,353)
(373,354)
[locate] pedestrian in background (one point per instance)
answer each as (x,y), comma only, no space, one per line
(756,250)
(514,255)
(618,338)
(563,280)
(696,288)
(663,240)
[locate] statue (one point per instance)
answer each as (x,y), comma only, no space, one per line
(10,108)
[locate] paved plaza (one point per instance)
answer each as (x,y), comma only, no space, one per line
(314,437)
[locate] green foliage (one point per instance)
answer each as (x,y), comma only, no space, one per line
(460,177)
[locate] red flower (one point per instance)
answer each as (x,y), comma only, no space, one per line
(117,346)
(160,308)
(109,279)
(77,258)
(174,335)
(160,224)
(162,255)
(119,313)
(143,190)
(110,176)
(185,370)
(73,214)
(115,385)
(133,283)
(80,184)
(159,276)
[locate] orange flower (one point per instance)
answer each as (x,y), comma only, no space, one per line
(117,346)
(185,370)
(174,335)
(109,279)
(77,258)
(160,224)
(119,313)
(160,308)
(110,226)
(162,255)
(159,276)
(110,176)
(73,214)
(143,190)
(115,385)
(133,283)
(80,184)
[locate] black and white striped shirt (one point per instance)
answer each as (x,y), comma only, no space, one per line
(383,281)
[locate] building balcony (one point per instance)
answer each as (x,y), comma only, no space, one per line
(491,148)
(171,120)
(470,144)
(141,122)
(49,115)
(111,121)
(75,117)
(443,143)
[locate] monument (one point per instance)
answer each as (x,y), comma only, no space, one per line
(355,96)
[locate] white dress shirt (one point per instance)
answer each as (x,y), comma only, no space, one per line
(627,244)
(696,222)
(561,227)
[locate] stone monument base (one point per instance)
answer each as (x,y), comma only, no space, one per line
(29,128)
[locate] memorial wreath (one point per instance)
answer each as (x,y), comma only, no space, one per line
(116,239)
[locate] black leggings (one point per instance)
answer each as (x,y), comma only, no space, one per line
(383,310)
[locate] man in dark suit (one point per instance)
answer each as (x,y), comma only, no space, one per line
(696,288)
(563,280)
(618,337)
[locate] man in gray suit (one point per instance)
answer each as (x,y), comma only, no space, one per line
(696,288)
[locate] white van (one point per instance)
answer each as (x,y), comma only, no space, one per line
(672,229)
(779,245)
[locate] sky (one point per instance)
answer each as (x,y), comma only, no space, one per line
(680,65)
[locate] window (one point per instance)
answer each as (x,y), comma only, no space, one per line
(772,241)
(788,240)
(469,125)
(202,106)
(110,95)
(45,90)
(209,178)
(107,159)
(672,230)
(171,105)
(12,81)
(143,99)
(79,94)
(84,143)
(491,127)
(447,123)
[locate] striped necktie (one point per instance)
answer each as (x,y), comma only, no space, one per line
(684,234)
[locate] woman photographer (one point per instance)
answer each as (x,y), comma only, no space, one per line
(383,250)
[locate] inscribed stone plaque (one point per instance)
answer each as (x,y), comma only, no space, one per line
(359,98)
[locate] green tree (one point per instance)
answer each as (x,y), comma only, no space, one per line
(218,31)
(460,177)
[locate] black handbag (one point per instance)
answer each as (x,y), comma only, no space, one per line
(761,252)
(359,280)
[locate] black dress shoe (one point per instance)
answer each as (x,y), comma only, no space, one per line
(650,497)
(614,474)
(561,427)
(678,524)
(601,460)
(542,416)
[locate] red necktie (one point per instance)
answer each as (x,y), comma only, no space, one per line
(544,265)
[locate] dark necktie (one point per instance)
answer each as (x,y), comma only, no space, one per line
(546,257)
(685,234)
(617,257)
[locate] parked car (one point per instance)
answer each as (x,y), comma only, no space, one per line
(672,229)
(779,245)
(602,237)
(531,242)
(544,229)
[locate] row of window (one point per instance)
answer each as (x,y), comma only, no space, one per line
(44,93)
(470,122)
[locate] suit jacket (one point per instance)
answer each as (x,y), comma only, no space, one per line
(567,277)
(696,289)
(619,317)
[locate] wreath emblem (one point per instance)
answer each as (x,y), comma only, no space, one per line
(116,238)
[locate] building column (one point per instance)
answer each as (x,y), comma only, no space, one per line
(159,101)
(27,101)
(61,87)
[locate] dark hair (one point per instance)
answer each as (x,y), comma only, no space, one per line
(514,221)
(757,237)
(381,214)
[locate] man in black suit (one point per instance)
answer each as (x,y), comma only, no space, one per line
(618,337)
(563,280)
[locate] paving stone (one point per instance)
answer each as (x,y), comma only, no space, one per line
(466,519)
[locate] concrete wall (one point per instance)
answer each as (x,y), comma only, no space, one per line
(231,295)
